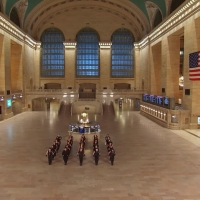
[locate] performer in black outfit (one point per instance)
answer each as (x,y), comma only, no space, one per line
(80,154)
(65,155)
(95,137)
(59,138)
(96,156)
(49,154)
(112,156)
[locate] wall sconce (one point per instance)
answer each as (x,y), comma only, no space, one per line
(105,45)
(70,45)
(38,45)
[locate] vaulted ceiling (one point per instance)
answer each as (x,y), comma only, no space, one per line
(138,14)
(31,4)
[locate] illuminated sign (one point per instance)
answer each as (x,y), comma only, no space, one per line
(8,103)
(198,119)
(157,100)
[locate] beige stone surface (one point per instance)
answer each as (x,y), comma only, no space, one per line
(151,163)
(155,69)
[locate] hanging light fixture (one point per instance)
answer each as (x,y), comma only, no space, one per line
(181,81)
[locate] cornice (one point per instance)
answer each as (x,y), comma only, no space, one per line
(188,9)
(21,7)
(17,33)
(151,10)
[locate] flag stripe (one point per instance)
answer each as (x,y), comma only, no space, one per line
(194,66)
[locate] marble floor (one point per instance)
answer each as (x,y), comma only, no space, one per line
(151,163)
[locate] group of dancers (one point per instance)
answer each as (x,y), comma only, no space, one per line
(67,149)
(53,150)
(110,148)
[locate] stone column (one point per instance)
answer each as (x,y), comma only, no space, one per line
(2,68)
(70,65)
(16,67)
(142,67)
(137,72)
(37,66)
(8,96)
(105,67)
(191,101)
(155,69)
(171,65)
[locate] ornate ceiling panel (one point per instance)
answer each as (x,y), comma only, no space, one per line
(134,13)
(139,3)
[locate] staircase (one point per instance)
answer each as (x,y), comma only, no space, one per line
(65,109)
(108,109)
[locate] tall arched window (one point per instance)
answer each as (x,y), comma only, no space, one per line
(87,56)
(52,53)
(122,54)
(14,17)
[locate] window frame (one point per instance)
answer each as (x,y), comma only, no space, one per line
(50,54)
(123,55)
(87,30)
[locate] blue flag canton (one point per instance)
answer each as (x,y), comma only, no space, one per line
(193,59)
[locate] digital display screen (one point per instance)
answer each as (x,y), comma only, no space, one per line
(161,101)
(8,103)
(166,102)
(198,120)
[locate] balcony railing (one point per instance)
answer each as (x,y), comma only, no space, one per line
(70,91)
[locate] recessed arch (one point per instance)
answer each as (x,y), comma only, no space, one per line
(14,17)
(157,18)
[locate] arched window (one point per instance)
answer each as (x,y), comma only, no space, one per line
(14,17)
(175,4)
(122,54)
(157,19)
(52,53)
(87,55)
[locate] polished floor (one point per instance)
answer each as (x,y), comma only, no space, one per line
(152,163)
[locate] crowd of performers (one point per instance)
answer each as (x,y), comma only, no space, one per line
(53,150)
(110,148)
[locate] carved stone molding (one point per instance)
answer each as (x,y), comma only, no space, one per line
(21,7)
(151,10)
(3,4)
(168,6)
(187,9)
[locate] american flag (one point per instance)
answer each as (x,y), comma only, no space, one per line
(194,64)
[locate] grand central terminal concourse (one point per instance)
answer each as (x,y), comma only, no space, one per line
(99,99)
